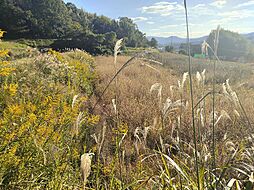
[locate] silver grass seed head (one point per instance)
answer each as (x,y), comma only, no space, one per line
(204,48)
(114,105)
(199,78)
(74,101)
(156,87)
(185,75)
(203,76)
(117,48)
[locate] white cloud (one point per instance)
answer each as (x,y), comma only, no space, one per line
(219,3)
(203,17)
(237,14)
(139,19)
(169,26)
(220,21)
(201,9)
(245,4)
(167,34)
(199,6)
(192,24)
(155,29)
(163,8)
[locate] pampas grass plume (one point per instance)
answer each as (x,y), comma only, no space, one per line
(85,167)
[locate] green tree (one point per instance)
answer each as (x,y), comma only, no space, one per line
(169,48)
(153,43)
(67,25)
(232,46)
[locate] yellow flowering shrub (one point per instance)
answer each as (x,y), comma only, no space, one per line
(38,119)
(4,71)
(56,54)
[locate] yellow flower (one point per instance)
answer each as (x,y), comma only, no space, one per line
(4,63)
(6,71)
(4,53)
(22,129)
(123,128)
(94,119)
(1,33)
(12,89)
(32,118)
(31,107)
(107,170)
(15,109)
(56,54)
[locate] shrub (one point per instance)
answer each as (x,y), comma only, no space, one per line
(44,120)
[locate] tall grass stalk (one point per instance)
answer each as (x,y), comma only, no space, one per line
(191,94)
(116,52)
(216,43)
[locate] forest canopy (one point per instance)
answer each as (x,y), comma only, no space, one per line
(67,25)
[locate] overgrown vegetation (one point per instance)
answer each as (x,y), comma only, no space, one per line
(151,121)
(44,119)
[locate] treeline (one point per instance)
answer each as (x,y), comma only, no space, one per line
(232,46)
(67,25)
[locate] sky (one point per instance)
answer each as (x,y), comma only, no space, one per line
(165,18)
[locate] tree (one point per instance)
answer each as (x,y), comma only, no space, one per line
(183,52)
(232,46)
(169,48)
(153,43)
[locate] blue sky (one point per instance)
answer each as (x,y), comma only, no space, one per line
(166,17)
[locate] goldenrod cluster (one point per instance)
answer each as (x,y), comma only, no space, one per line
(37,118)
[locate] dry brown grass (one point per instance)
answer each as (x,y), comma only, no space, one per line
(135,81)
(138,108)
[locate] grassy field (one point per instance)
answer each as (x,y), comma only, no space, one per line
(152,131)
(140,130)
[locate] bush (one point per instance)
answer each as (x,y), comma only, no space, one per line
(43,120)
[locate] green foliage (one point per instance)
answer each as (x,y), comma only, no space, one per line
(39,43)
(69,26)
(153,43)
(194,49)
(183,52)
(169,49)
(232,46)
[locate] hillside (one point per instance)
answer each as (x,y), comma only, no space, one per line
(232,46)
(66,26)
(250,36)
(163,41)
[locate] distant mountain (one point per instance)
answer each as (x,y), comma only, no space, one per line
(249,36)
(177,40)
(163,41)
